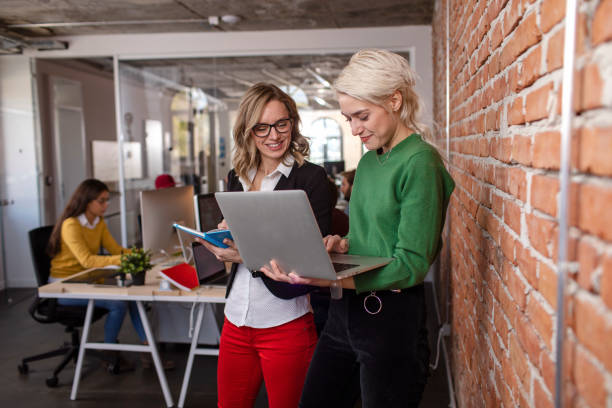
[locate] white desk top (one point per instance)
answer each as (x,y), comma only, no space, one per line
(148,292)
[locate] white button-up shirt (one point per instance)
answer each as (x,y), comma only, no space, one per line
(250,303)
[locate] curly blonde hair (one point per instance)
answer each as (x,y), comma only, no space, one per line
(373,75)
(246,155)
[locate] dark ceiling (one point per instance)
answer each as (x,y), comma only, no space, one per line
(44,18)
(35,24)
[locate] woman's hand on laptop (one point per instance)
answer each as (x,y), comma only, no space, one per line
(229,254)
(275,272)
(335,243)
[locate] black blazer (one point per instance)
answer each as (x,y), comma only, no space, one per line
(313,180)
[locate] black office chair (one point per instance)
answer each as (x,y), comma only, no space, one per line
(47,310)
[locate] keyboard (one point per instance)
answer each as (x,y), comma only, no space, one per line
(339,267)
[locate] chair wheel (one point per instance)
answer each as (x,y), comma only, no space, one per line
(52,382)
(23,369)
(113,369)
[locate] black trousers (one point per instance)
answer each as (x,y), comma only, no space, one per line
(390,350)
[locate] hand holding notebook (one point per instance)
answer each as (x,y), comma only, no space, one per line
(215,236)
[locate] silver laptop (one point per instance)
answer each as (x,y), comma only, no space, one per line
(280,225)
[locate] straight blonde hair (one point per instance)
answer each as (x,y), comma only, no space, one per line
(246,155)
(373,75)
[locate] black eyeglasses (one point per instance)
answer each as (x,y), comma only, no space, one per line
(263,129)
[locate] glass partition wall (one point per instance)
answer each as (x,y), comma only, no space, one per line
(175,116)
(168,126)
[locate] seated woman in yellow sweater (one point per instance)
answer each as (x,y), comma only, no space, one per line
(74,245)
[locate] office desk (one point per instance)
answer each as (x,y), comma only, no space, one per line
(149,292)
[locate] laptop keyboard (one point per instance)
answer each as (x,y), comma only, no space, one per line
(339,267)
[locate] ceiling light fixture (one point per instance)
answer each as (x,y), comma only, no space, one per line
(321,101)
(319,78)
(230,19)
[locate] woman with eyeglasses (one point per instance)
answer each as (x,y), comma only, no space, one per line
(269,332)
(74,246)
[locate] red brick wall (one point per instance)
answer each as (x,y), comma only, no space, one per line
(506,60)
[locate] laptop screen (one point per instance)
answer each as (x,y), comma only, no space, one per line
(207,212)
(207,265)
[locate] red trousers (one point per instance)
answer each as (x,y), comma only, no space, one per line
(279,355)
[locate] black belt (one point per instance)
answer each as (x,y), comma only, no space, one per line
(385,291)
(372,302)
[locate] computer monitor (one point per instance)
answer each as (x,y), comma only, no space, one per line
(159,210)
(207,212)
(333,168)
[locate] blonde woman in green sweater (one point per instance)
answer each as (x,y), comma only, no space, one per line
(74,245)
(398,206)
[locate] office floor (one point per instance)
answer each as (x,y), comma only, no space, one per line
(21,336)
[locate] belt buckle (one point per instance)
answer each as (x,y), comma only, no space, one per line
(396,290)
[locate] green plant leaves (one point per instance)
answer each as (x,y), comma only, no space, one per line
(136,261)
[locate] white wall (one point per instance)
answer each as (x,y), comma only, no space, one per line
(18,171)
(98,114)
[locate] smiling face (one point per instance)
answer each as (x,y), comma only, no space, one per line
(273,147)
(97,207)
(376,127)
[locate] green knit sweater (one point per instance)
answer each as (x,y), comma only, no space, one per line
(398,206)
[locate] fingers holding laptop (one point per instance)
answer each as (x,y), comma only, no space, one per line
(229,254)
(275,271)
(335,243)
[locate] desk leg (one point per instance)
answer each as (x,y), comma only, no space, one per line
(156,360)
(192,350)
(84,338)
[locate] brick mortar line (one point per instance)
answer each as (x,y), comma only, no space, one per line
(582,60)
(576,176)
(597,54)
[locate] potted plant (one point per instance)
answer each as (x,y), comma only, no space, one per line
(136,262)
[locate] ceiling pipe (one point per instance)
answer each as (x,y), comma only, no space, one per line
(278,78)
(236,79)
(212,20)
(15,44)
(109,23)
(11,44)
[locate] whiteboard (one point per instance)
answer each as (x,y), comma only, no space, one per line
(105,155)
